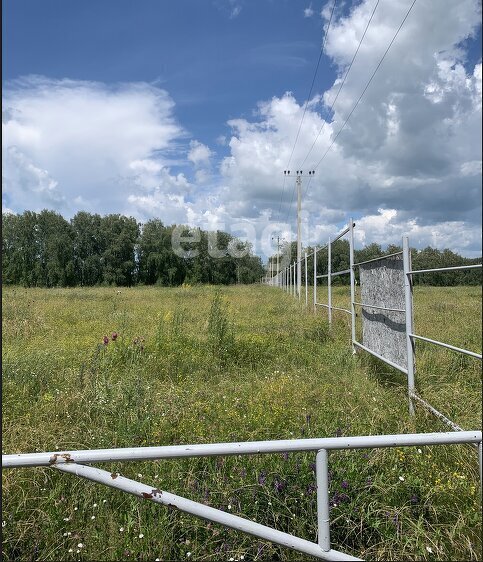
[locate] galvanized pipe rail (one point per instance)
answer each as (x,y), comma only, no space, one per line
(73,462)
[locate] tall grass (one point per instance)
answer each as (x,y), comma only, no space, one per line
(199,365)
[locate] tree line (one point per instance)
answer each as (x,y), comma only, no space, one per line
(427,258)
(46,250)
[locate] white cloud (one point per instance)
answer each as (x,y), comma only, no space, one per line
(199,153)
(66,138)
(308,12)
(412,148)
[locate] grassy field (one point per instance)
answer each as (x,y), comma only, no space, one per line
(200,365)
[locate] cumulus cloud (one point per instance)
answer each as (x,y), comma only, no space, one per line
(408,161)
(65,139)
(199,153)
(410,155)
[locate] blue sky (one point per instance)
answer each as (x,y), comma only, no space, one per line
(188,111)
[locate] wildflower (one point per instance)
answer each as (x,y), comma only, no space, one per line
(419,451)
(76,508)
(80,545)
(114,336)
(429,549)
(188,554)
(93,516)
(278,485)
(105,339)
(4,523)
(345,484)
(141,535)
(414,499)
(262,478)
(311,488)
(285,456)
(401,478)
(104,501)
(140,475)
(66,518)
(229,506)
(71,550)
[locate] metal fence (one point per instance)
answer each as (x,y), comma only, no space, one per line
(397,288)
(74,462)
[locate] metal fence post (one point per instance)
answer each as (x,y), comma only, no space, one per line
(315,279)
(329,280)
(480,460)
(408,297)
(323,523)
(352,281)
(306,283)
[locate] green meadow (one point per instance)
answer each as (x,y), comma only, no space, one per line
(203,364)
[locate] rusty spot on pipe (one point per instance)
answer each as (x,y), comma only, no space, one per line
(67,457)
(147,495)
(114,475)
(53,458)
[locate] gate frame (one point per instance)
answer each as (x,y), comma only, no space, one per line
(73,462)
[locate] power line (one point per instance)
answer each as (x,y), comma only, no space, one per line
(343,81)
(368,83)
(307,101)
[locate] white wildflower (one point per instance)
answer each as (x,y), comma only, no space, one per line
(141,535)
(80,545)
(401,478)
(429,549)
(121,529)
(93,516)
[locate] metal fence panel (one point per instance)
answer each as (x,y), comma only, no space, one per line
(382,296)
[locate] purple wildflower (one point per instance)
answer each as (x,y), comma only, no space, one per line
(262,478)
(345,484)
(114,336)
(285,456)
(311,488)
(312,466)
(414,499)
(279,485)
(105,339)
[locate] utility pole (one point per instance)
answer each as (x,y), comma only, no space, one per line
(300,175)
(278,256)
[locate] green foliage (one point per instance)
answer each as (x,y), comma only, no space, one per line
(428,258)
(45,250)
(159,382)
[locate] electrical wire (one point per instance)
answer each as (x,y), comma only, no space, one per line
(307,102)
(368,84)
(343,81)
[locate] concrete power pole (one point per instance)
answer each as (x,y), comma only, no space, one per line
(298,181)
